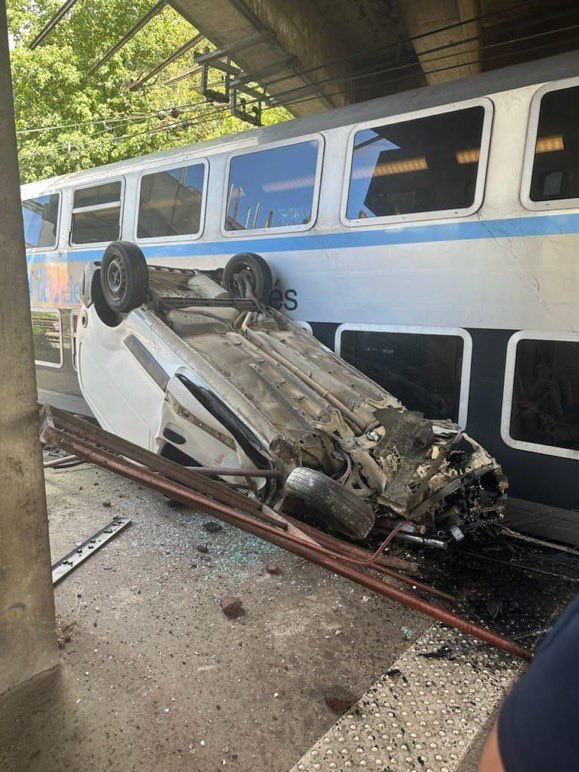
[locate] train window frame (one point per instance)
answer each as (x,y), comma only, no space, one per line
(529,153)
(300,227)
(41,362)
(508,389)
(177,163)
(459,332)
(440,214)
(54,246)
(73,211)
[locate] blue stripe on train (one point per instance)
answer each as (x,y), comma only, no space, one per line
(516,227)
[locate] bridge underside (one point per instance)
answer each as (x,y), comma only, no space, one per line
(316,54)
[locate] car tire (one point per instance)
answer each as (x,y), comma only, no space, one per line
(260,275)
(334,505)
(124,276)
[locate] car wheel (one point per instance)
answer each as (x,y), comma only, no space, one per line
(253,268)
(124,276)
(334,505)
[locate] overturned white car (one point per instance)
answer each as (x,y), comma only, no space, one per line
(194,366)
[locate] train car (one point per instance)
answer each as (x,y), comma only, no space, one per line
(431,238)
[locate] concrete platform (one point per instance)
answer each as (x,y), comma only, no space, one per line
(153,676)
(425,711)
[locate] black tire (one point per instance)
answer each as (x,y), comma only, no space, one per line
(335,505)
(124,276)
(260,275)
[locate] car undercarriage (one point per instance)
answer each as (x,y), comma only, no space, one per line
(194,366)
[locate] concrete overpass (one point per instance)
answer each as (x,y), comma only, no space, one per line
(318,54)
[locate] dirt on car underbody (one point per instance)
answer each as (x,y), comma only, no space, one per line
(270,393)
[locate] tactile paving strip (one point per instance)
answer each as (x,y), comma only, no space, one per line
(424,712)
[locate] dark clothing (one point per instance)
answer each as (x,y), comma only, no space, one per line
(539,721)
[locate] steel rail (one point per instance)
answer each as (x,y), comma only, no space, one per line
(187,476)
(352,550)
(280,538)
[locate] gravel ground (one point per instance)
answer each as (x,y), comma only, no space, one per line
(154,676)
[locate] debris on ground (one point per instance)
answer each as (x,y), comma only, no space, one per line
(212,527)
(202,548)
(339,698)
(273,569)
(232,607)
(407,632)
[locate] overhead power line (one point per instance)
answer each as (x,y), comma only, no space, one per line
(216,112)
(369,71)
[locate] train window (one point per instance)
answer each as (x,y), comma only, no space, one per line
(96,214)
(47,338)
(424,371)
(555,174)
(544,405)
(41,221)
(427,164)
(272,188)
(170,202)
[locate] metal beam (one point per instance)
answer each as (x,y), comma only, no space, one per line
(78,555)
(166,62)
(290,62)
(235,47)
(47,29)
(266,523)
(129,35)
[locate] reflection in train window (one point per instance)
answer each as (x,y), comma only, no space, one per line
(272,188)
(40,221)
(47,338)
(423,371)
(545,405)
(170,202)
(427,164)
(556,163)
(96,214)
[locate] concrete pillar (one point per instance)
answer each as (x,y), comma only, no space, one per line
(27,625)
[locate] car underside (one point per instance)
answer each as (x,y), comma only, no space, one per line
(194,366)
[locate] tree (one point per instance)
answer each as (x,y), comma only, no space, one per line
(98,119)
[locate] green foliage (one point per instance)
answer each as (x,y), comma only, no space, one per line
(52,87)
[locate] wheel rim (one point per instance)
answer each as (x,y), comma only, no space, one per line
(116,280)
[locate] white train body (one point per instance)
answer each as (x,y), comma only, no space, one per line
(494,281)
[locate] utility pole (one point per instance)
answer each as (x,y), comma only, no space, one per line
(27,625)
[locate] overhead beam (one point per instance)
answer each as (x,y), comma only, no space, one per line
(462,57)
(296,45)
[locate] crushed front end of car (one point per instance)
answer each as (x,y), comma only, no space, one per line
(212,379)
